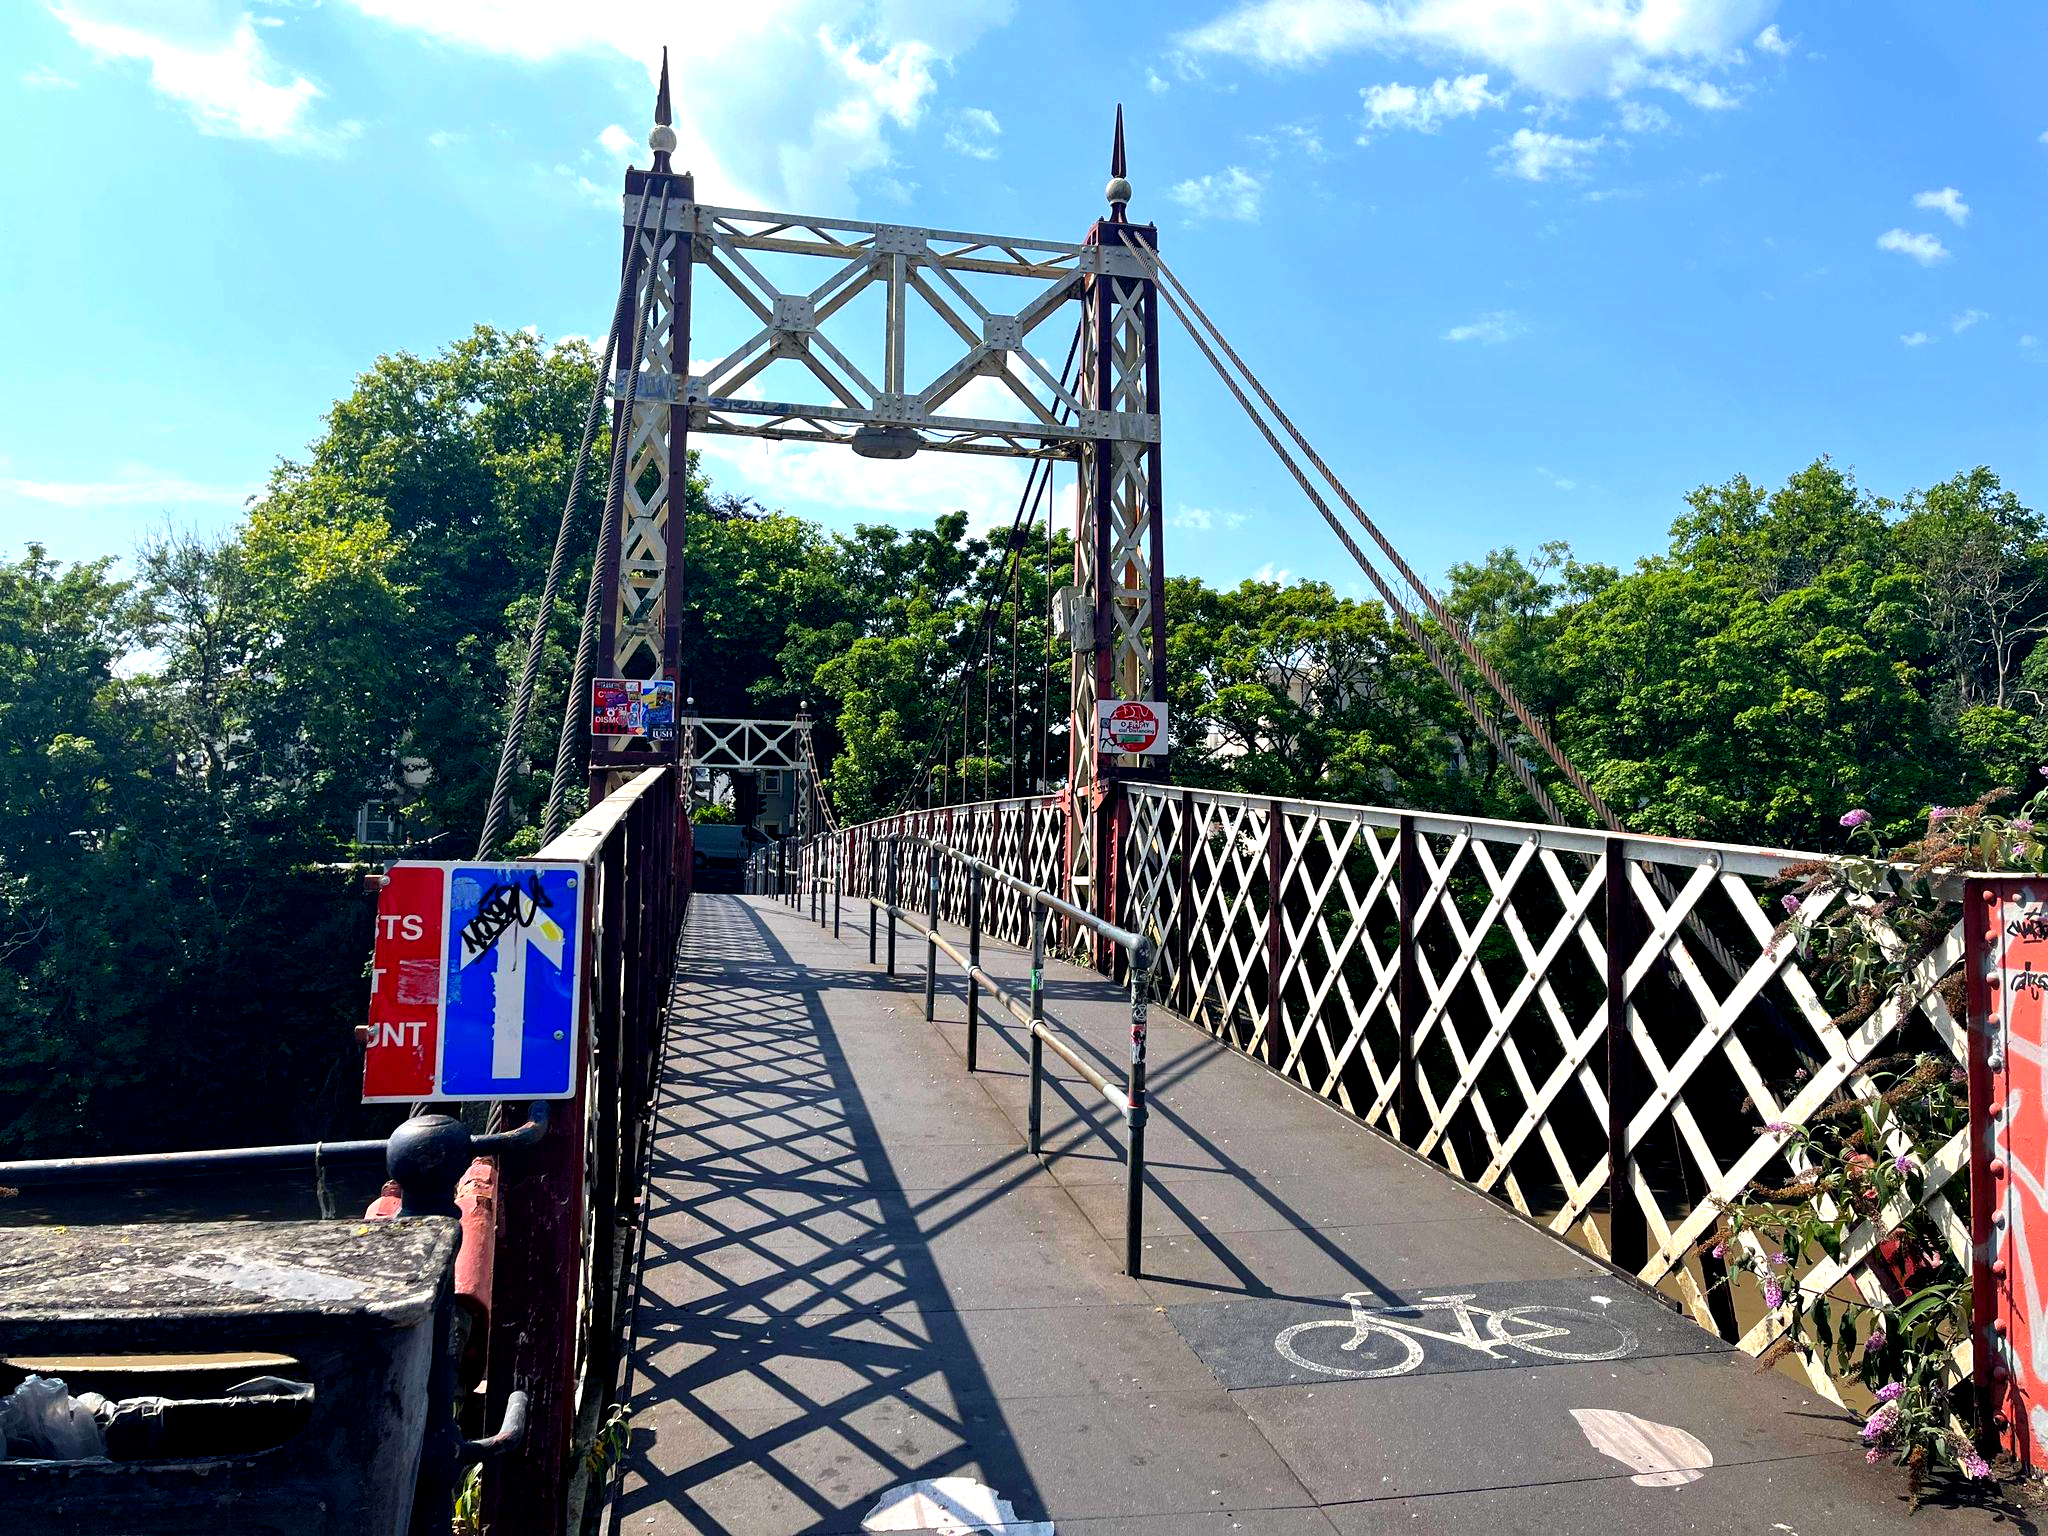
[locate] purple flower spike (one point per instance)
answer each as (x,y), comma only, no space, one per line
(1778,1259)
(1882,1422)
(2023,823)
(1902,1163)
(1958,1074)
(1872,1456)
(1974,1465)
(1789,902)
(1774,1294)
(1891,1391)
(1857,817)
(1939,813)
(2044,770)
(1780,1127)
(1874,1343)
(1799,1076)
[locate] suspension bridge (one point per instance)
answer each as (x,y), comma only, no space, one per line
(1121,1157)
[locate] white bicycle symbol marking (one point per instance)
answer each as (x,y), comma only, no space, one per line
(1387,1341)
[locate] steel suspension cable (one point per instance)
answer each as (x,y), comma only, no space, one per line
(536,640)
(1404,615)
(615,493)
(1017,520)
(1418,590)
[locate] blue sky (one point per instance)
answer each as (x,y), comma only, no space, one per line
(1524,269)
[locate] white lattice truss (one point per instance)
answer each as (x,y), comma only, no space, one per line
(742,745)
(1507,1043)
(864,380)
(641,615)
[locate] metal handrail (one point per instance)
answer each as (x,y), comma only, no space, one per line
(1128,1097)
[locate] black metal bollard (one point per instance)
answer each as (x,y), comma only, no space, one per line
(895,881)
(1038,918)
(931,939)
(1134,1173)
(973,964)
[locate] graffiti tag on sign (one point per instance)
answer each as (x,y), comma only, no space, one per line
(404,1045)
(1131,725)
(476,984)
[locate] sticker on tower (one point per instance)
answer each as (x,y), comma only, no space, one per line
(1130,725)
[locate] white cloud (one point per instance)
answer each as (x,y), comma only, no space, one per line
(1198,519)
(1561,48)
(1558,481)
(44,78)
(2029,343)
(441,138)
(974,133)
(1966,319)
(1948,200)
(1292,139)
(1156,83)
(211,63)
(1924,249)
(1535,155)
(1425,108)
(1232,193)
(1643,117)
(1490,329)
(1270,574)
(619,144)
(1771,40)
(779,103)
(135,485)
(1915,338)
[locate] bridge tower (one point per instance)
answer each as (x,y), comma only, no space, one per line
(1119,566)
(641,595)
(796,359)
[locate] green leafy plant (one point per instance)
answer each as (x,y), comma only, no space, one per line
(1866,925)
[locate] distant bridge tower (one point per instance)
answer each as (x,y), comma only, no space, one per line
(641,600)
(1119,566)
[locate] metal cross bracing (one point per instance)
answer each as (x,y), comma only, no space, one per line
(849,309)
(745,744)
(1525,1005)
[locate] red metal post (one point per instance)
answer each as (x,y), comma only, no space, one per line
(2005,937)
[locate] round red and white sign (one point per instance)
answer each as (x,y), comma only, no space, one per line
(1131,727)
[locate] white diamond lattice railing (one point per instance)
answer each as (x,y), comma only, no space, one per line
(1598,1030)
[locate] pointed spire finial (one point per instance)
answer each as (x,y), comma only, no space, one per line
(663,138)
(1119,190)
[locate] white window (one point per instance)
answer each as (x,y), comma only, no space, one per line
(376,826)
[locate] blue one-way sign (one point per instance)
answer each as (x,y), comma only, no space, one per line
(510,1018)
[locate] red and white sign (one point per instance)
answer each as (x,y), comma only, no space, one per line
(403,1053)
(1130,725)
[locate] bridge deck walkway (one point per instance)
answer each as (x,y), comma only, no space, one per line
(856,1278)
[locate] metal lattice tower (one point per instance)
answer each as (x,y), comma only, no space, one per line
(866,395)
(1119,566)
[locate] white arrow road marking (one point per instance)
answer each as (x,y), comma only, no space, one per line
(950,1506)
(1662,1455)
(508,988)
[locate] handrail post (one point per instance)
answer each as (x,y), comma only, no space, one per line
(1134,1174)
(838,882)
(973,963)
(1628,1240)
(1411,1000)
(895,879)
(1038,920)
(931,938)
(874,856)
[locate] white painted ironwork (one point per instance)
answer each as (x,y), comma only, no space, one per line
(861,379)
(1280,925)
(745,745)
